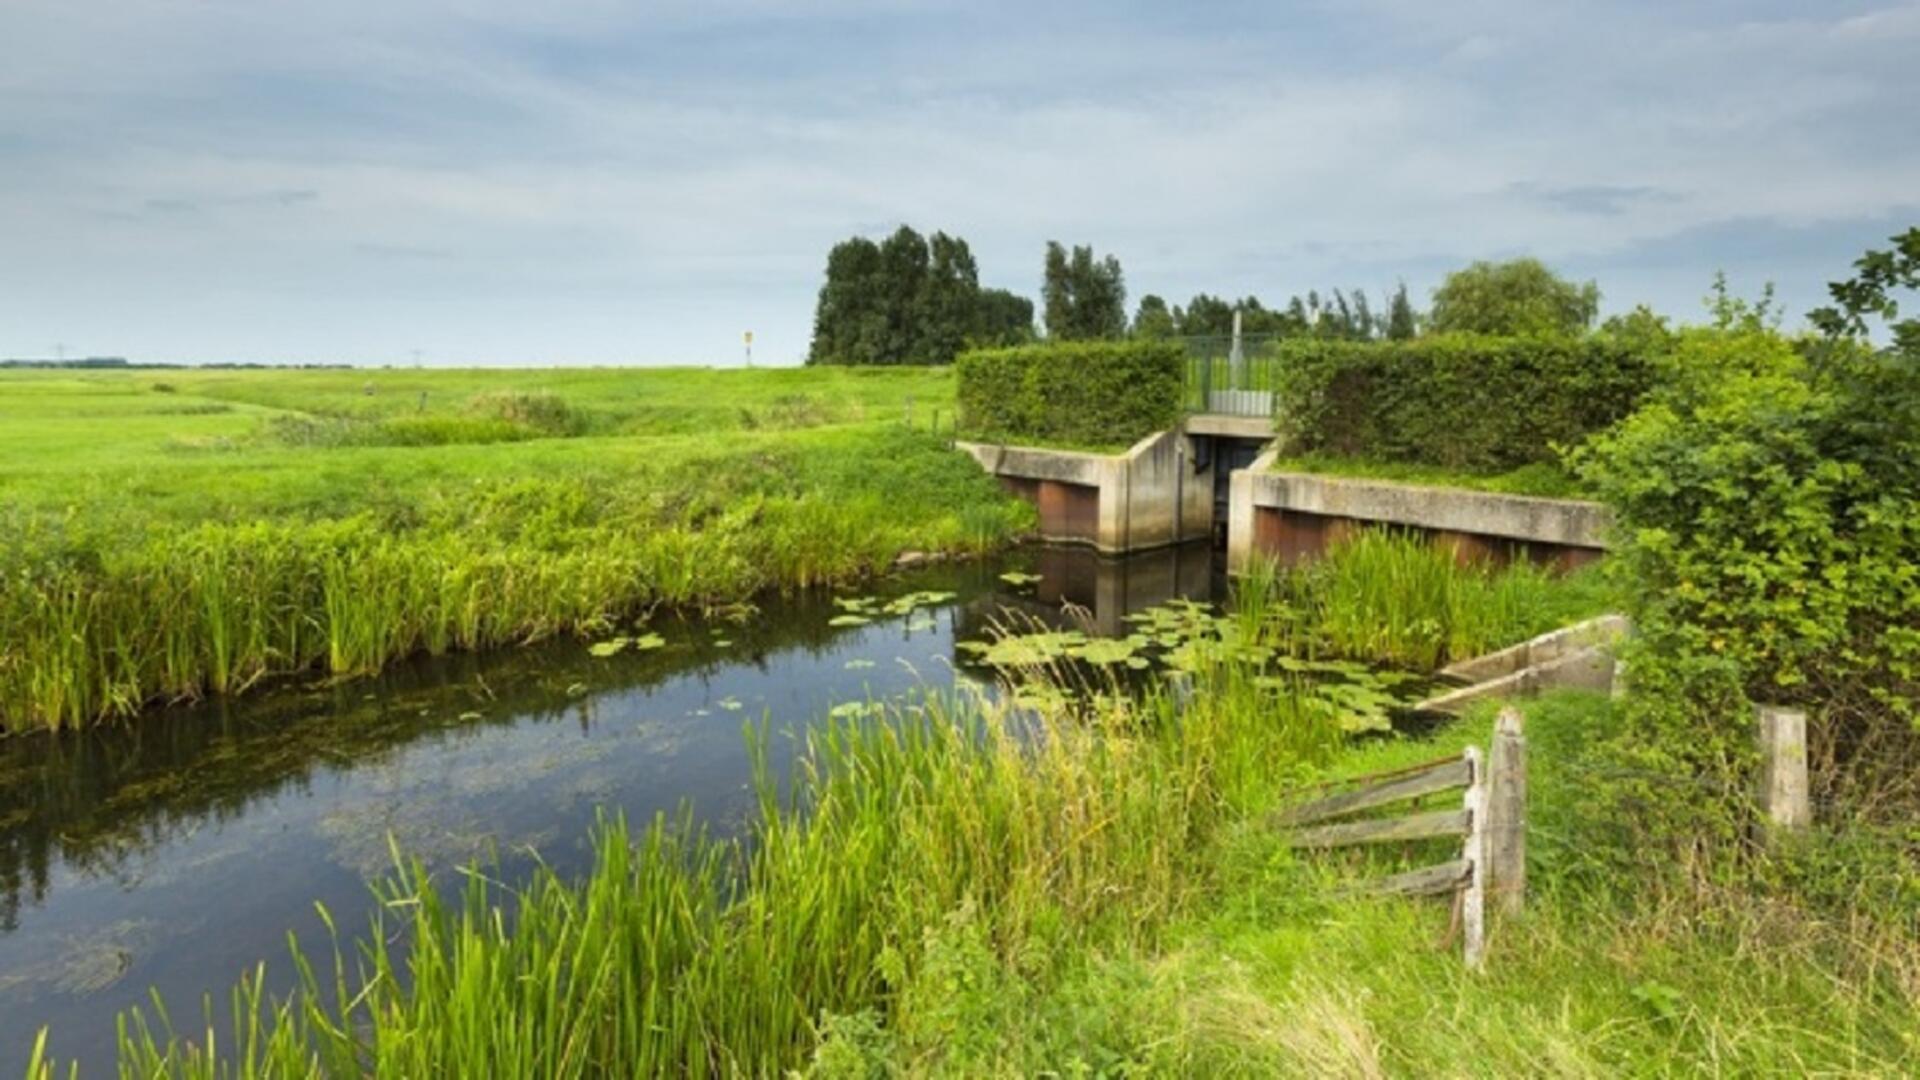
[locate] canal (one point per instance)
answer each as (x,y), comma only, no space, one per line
(178,850)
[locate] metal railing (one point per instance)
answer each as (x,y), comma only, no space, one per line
(1235,377)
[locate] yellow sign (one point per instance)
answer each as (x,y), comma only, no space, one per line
(748,336)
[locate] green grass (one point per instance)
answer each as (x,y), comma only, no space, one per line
(166,547)
(951,895)
(1401,601)
(1540,479)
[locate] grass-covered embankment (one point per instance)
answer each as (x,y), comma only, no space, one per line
(163,547)
(947,894)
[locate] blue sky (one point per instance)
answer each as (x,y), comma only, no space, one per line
(496,182)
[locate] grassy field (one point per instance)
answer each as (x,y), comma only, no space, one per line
(949,895)
(180,531)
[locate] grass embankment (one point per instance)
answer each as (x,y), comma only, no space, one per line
(1543,479)
(947,895)
(177,532)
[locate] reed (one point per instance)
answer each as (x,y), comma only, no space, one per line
(97,629)
(681,954)
(1395,599)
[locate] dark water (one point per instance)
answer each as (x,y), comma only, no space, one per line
(178,850)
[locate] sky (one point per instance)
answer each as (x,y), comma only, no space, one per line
(495,182)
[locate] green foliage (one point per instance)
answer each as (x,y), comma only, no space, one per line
(1870,294)
(1076,393)
(136,571)
(1002,318)
(1457,401)
(1339,315)
(1517,297)
(1769,509)
(1546,479)
(909,300)
(1154,319)
(1641,332)
(1402,324)
(1086,298)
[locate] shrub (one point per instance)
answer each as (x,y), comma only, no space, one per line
(1480,404)
(1769,513)
(546,413)
(1089,393)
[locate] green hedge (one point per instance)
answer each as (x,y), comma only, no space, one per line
(1082,393)
(1460,401)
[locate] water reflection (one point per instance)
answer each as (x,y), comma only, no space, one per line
(180,849)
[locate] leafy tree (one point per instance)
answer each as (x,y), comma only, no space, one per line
(1867,294)
(1641,332)
(1085,297)
(1154,319)
(1401,324)
(903,268)
(947,306)
(1002,318)
(1206,315)
(1520,296)
(1736,313)
(909,300)
(850,320)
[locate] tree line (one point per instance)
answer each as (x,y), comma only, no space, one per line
(911,299)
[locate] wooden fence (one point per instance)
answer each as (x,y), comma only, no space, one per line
(1491,824)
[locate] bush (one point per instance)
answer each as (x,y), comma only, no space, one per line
(1480,404)
(1087,393)
(1769,510)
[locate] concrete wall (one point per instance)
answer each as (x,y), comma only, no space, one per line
(1148,497)
(1298,515)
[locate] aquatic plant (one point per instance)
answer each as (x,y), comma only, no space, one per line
(102,628)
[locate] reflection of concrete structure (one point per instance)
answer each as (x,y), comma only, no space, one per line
(1087,590)
(1148,497)
(1298,515)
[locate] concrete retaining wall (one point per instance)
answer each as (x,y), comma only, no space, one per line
(1297,515)
(1148,497)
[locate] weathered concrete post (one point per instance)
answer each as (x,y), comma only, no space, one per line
(1507,812)
(1783,767)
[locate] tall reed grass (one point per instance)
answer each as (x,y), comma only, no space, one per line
(1398,600)
(101,627)
(681,955)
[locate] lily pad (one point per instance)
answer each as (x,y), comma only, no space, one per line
(609,647)
(849,620)
(1017,578)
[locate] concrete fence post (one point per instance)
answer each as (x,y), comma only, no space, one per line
(1783,788)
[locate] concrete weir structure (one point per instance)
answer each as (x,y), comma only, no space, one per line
(1209,478)
(1151,496)
(1292,516)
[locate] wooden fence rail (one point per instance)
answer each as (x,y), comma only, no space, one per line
(1491,824)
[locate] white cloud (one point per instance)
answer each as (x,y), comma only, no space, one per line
(502,182)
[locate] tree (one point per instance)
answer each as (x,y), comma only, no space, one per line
(1205,316)
(850,320)
(1520,296)
(948,305)
(1084,297)
(1002,318)
(1401,324)
(1867,294)
(1154,319)
(909,300)
(1642,332)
